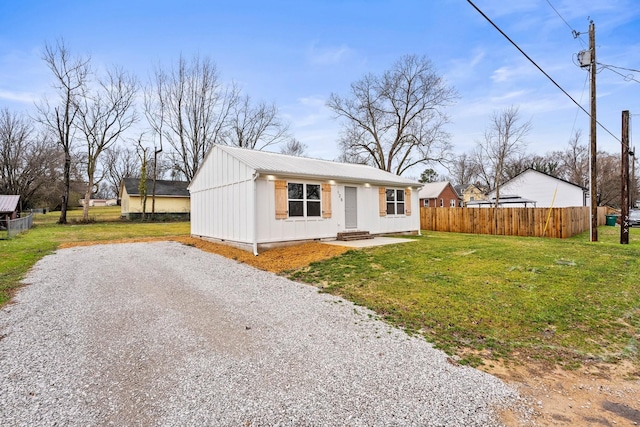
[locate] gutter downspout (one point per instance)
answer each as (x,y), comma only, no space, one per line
(256,175)
(419,209)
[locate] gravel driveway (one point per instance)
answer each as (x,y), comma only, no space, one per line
(165,334)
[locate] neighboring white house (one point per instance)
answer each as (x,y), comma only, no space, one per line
(543,189)
(254,198)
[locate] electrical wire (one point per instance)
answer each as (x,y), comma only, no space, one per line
(622,68)
(576,34)
(558,13)
(575,119)
(539,68)
(628,77)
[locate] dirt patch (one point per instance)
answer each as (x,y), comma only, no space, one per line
(594,395)
(275,260)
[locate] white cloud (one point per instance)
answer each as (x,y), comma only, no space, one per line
(327,55)
(23,97)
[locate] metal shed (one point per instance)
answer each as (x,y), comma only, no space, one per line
(255,198)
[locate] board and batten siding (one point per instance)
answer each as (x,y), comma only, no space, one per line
(222,200)
(540,188)
(274,227)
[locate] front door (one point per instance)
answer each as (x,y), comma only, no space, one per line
(350,207)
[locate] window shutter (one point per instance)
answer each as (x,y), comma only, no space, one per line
(407,202)
(382,201)
(326,200)
(281,200)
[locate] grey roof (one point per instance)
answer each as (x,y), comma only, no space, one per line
(504,200)
(8,203)
(164,188)
(281,164)
(431,190)
(532,170)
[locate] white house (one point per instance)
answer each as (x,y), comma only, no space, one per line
(543,189)
(254,199)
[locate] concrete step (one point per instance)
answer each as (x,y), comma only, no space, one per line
(353,235)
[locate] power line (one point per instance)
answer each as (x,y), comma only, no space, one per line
(576,34)
(558,13)
(622,68)
(627,77)
(539,68)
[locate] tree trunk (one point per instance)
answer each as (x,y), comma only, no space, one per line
(65,193)
(87,200)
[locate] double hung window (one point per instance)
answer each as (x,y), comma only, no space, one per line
(304,199)
(395,202)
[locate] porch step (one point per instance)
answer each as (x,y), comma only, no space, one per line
(354,235)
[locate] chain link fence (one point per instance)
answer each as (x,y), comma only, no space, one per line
(17,226)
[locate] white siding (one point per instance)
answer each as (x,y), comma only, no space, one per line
(540,188)
(300,228)
(271,229)
(222,200)
(228,204)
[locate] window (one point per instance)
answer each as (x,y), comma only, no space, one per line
(452,203)
(441,203)
(395,202)
(304,199)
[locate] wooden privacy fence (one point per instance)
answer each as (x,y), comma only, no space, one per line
(526,222)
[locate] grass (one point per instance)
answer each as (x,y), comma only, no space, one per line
(20,253)
(564,302)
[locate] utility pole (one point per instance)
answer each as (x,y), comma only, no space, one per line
(632,190)
(624,221)
(594,194)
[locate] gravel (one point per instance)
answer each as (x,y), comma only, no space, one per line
(165,334)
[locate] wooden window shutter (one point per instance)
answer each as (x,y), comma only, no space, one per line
(407,202)
(326,200)
(282,211)
(382,201)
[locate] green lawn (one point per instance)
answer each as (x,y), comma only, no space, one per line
(20,253)
(560,301)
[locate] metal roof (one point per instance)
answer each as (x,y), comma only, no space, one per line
(164,188)
(504,200)
(431,190)
(281,164)
(8,203)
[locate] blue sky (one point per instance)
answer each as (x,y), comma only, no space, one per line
(296,53)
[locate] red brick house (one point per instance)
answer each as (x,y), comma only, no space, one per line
(439,195)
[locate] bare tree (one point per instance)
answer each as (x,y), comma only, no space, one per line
(254,126)
(575,161)
(71,75)
(119,163)
(195,107)
(608,180)
(25,157)
(104,116)
(504,139)
(397,120)
(463,170)
(294,147)
(142,185)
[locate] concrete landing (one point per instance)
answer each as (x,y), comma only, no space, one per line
(376,241)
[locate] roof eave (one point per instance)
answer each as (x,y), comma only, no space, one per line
(345,179)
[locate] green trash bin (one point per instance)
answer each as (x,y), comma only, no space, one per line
(611,219)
